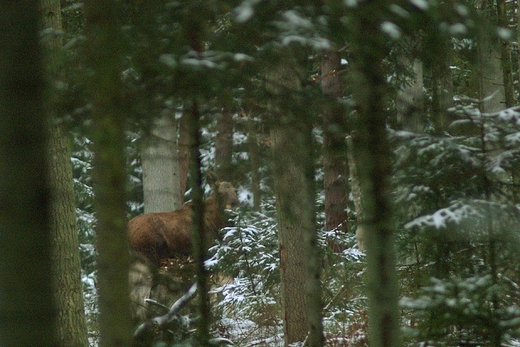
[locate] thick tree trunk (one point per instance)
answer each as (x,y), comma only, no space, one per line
(334,148)
(372,154)
(295,206)
(27,307)
(68,290)
(224,146)
(161,184)
(103,55)
(293,177)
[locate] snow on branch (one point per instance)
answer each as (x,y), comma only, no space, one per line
(452,214)
(508,115)
(169,316)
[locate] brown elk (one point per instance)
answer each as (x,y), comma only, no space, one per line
(165,235)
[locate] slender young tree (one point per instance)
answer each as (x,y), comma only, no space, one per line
(194,31)
(183,152)
(254,161)
(372,152)
(68,289)
(103,53)
(27,306)
(199,249)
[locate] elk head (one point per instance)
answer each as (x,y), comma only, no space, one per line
(224,192)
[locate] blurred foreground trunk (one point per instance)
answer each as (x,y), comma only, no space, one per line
(102,56)
(27,309)
(373,166)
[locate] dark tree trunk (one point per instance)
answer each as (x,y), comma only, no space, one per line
(195,29)
(103,54)
(372,152)
(442,98)
(224,146)
(334,148)
(199,248)
(27,309)
(184,152)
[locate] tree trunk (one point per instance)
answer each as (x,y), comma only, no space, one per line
(199,246)
(27,307)
(442,91)
(184,153)
(505,57)
(254,162)
(355,188)
(68,290)
(372,154)
(224,146)
(102,56)
(161,185)
(195,29)
(334,148)
(491,81)
(410,100)
(299,258)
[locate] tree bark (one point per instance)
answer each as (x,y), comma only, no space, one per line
(199,246)
(355,188)
(68,290)
(410,100)
(27,306)
(505,57)
(254,162)
(161,183)
(293,176)
(184,153)
(224,146)
(491,82)
(371,148)
(334,149)
(103,54)
(442,91)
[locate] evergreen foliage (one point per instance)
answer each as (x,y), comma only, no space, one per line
(455,191)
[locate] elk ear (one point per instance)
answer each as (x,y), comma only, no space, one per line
(211,178)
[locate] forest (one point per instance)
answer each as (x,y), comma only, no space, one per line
(343,173)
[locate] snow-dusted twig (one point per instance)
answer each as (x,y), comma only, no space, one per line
(170,315)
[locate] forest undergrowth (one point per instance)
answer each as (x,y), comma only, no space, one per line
(456,222)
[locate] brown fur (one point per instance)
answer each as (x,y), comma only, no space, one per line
(166,235)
